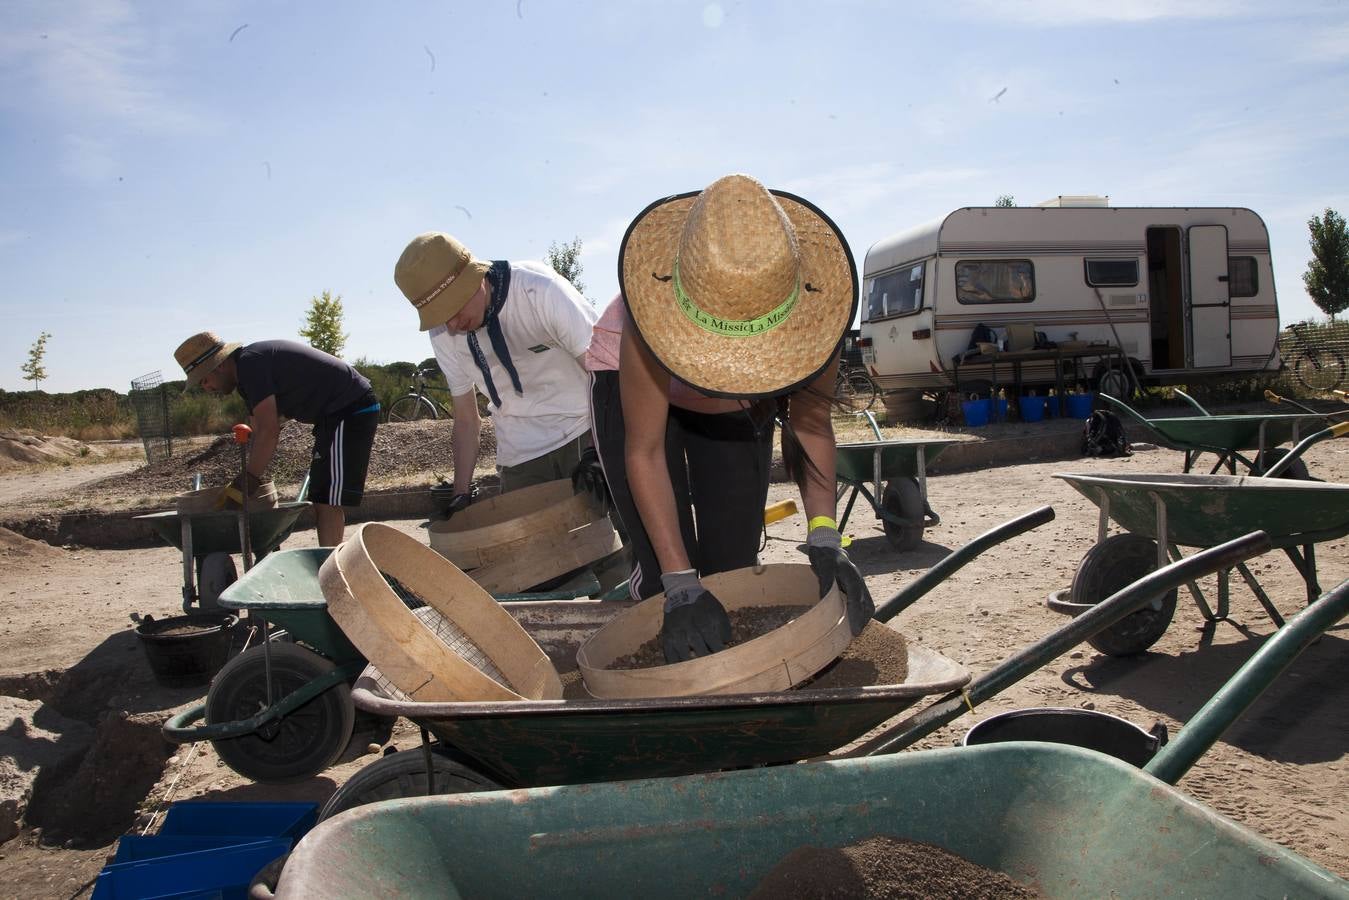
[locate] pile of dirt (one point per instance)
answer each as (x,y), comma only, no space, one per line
(13,544)
(19,449)
(883,866)
(401,449)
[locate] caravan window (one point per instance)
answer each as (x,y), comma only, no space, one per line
(1112,272)
(995,281)
(895,293)
(1242,280)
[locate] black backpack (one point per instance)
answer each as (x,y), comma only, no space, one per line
(1103,435)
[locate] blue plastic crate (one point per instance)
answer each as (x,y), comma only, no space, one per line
(254,820)
(223,872)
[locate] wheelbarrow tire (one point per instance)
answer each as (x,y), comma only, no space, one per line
(215,572)
(903,499)
(1297,469)
(403,774)
(1109,567)
(300,744)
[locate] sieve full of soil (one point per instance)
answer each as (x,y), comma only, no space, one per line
(878,655)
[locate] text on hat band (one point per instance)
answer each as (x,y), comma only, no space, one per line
(734,327)
(435,291)
(215,348)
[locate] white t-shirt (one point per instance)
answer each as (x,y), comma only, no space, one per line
(547,324)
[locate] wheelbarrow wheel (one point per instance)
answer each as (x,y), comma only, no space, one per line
(904,500)
(300,744)
(215,572)
(403,774)
(1109,567)
(1297,469)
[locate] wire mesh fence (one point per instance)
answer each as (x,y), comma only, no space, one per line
(150,399)
(1317,354)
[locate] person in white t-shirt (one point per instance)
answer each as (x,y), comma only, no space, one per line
(517,332)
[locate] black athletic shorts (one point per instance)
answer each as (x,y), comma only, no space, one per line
(342,454)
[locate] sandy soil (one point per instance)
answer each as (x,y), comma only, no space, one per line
(1281,771)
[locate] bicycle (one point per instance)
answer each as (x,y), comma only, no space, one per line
(416,404)
(856,389)
(1318,368)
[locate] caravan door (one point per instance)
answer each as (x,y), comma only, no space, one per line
(1210,300)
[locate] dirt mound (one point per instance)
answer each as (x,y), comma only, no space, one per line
(13,544)
(400,449)
(19,449)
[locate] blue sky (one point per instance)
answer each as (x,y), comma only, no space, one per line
(172,167)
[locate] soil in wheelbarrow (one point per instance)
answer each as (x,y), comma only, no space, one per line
(883,867)
(879,655)
(747,623)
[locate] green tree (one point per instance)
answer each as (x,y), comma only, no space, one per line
(1327,275)
(566,259)
(34,370)
(323,324)
(1005,200)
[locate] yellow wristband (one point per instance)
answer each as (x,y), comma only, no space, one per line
(826,522)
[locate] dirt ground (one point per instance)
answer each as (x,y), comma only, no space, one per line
(1281,771)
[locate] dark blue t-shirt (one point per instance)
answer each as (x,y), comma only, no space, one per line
(309,384)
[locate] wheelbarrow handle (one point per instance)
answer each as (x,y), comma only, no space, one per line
(1250,681)
(1101,616)
(1340,429)
(958,558)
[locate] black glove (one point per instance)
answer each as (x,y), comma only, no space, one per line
(824,546)
(457,503)
(588,476)
(695,623)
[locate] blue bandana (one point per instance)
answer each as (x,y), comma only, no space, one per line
(499,277)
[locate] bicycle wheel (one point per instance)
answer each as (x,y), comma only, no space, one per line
(411,408)
(1320,370)
(864,390)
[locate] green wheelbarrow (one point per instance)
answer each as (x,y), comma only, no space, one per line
(1066,821)
(1161,513)
(1231,438)
(281,711)
(209,541)
(486,746)
(897,474)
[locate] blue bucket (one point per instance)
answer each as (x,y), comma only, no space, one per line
(1032,409)
(1079,405)
(975,411)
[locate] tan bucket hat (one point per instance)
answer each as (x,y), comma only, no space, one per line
(738,290)
(202,354)
(438,275)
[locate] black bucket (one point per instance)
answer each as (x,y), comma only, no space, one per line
(1097,731)
(186,650)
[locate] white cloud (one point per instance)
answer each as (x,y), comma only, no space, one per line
(88,158)
(95,63)
(1325,45)
(849,190)
(1087,12)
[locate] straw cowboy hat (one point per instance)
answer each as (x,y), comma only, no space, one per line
(737,290)
(202,354)
(438,275)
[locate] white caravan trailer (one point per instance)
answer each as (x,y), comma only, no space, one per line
(1187,292)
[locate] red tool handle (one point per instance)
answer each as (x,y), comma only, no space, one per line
(242,433)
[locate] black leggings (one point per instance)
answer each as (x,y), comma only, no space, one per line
(719,472)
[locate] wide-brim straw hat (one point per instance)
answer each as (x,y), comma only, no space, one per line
(737,290)
(438,275)
(202,354)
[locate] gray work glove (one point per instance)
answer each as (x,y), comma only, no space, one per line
(695,622)
(824,547)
